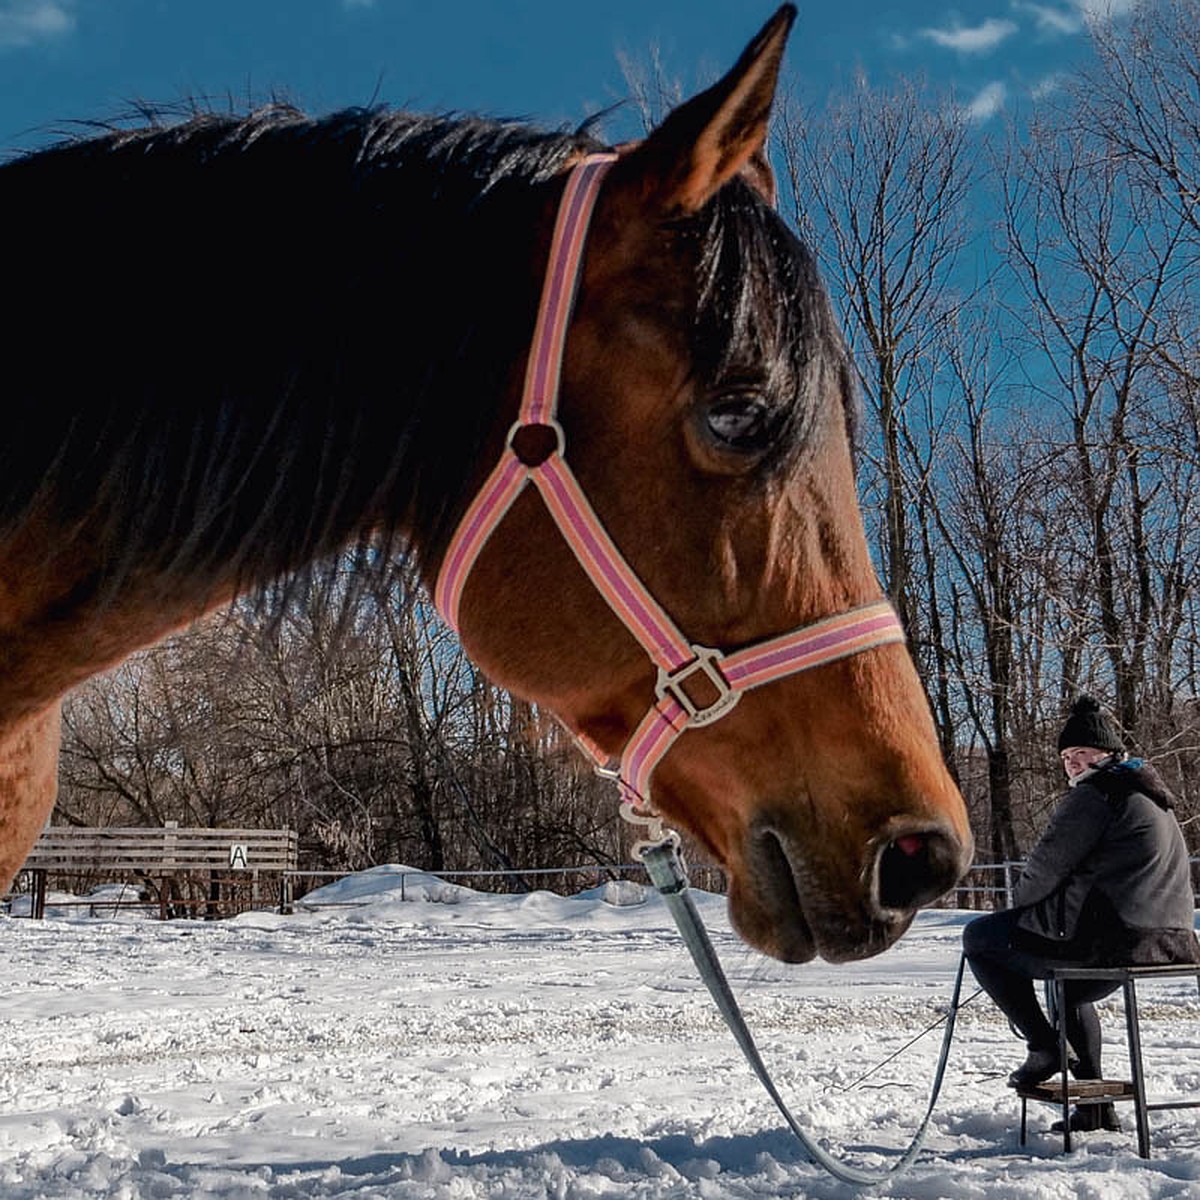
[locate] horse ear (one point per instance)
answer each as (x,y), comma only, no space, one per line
(759,174)
(718,134)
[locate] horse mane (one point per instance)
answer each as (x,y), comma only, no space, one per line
(216,309)
(243,341)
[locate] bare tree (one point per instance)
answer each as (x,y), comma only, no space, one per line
(1140,96)
(880,182)
(1097,263)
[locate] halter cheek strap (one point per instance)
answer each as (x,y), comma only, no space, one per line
(695,684)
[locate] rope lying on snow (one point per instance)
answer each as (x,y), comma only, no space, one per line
(666,872)
(912,1042)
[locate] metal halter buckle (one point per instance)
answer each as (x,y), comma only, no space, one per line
(707,663)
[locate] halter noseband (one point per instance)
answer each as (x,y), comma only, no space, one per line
(534,454)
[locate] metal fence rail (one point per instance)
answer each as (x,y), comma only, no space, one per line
(986,886)
(990,886)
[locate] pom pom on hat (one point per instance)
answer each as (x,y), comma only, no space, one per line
(1088,726)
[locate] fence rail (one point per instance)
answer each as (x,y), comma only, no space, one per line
(990,885)
(66,848)
(985,886)
(161,853)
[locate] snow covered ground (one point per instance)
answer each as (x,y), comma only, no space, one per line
(455,1045)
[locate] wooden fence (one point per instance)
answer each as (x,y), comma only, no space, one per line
(181,871)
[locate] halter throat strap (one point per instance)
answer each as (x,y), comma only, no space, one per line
(695,685)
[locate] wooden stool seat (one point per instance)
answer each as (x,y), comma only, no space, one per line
(1080,1091)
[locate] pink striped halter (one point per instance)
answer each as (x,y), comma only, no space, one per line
(534,454)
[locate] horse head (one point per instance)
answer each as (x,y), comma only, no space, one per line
(706,409)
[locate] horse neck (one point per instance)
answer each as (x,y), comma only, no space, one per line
(293,326)
(303,349)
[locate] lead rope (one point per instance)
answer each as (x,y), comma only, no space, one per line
(667,873)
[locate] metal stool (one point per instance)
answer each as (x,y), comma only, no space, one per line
(1105,1091)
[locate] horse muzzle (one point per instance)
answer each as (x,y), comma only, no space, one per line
(795,905)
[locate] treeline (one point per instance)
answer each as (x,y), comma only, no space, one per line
(1022,302)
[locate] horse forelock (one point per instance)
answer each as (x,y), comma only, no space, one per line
(315,315)
(763,308)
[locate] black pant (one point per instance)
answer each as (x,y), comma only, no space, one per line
(1006,960)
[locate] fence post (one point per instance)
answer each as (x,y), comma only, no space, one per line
(38,905)
(170,842)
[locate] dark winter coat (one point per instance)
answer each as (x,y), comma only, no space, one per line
(1110,875)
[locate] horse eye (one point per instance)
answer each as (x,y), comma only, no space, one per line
(742,423)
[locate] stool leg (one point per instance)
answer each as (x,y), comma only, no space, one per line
(1024,1106)
(1135,1065)
(1060,991)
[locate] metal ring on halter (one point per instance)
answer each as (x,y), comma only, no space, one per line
(669,841)
(519,427)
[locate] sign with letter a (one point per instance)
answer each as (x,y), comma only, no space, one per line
(239,857)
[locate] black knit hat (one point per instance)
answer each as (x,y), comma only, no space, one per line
(1088,726)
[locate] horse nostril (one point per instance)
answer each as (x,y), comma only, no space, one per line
(916,868)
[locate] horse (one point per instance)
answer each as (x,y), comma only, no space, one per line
(239,343)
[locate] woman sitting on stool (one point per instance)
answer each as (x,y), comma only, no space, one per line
(1108,884)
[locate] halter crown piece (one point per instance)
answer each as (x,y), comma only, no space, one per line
(724,676)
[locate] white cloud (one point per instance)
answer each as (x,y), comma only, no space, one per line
(1052,20)
(24,22)
(1047,86)
(972,39)
(989,100)
(1104,10)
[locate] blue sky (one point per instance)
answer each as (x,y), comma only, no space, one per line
(553,61)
